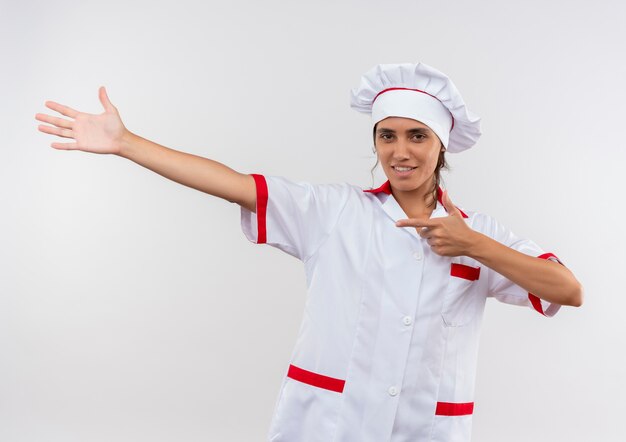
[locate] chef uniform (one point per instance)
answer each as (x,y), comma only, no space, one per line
(388,343)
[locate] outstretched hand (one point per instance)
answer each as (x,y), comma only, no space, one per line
(447,236)
(92,133)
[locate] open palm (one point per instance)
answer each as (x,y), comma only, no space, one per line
(92,133)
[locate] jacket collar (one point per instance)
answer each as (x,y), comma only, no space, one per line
(395,212)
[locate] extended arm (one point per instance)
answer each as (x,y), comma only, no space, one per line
(106,134)
(190,170)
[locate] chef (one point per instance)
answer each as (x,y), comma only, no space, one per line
(397,276)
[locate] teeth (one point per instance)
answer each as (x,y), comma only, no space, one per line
(403,169)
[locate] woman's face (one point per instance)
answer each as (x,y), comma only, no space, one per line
(404,142)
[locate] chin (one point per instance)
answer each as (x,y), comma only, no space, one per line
(405,186)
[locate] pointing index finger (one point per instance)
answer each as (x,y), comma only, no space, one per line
(413,222)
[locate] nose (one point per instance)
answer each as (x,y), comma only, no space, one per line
(401,150)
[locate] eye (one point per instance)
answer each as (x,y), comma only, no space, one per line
(421,136)
(384,135)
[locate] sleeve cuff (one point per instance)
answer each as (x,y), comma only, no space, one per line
(253,224)
(542,306)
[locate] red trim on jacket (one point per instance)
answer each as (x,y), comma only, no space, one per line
(386,188)
(261,207)
(535,300)
(550,255)
(454,409)
(465,271)
(315,379)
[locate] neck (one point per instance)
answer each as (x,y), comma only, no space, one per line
(416,203)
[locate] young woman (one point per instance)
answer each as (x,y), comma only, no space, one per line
(397,276)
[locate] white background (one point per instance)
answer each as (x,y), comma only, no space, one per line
(134,309)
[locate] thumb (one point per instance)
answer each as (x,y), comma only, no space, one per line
(104,99)
(447,203)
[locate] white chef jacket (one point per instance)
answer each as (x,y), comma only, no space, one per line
(388,342)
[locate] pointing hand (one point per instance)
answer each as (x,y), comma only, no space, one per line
(447,236)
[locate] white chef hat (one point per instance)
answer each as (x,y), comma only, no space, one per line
(420,92)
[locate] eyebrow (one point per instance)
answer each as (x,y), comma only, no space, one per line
(409,131)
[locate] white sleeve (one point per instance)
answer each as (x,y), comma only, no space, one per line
(503,289)
(295,217)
